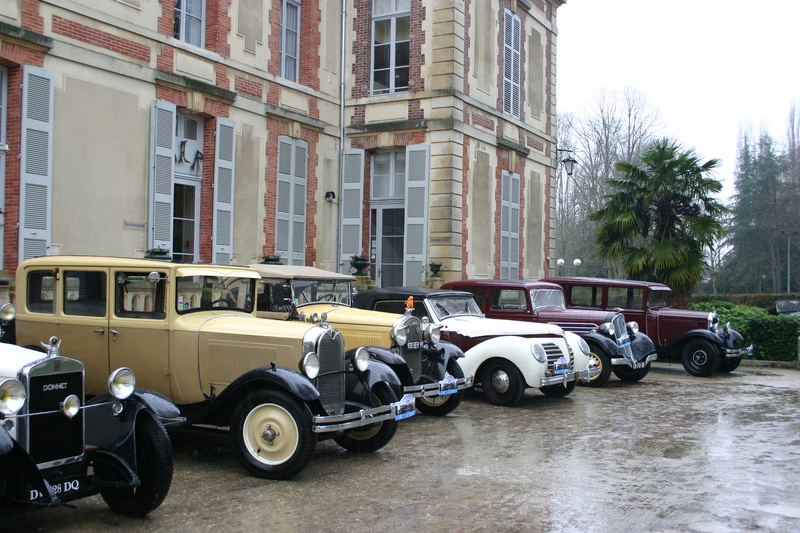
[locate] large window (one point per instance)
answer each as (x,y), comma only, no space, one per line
(391,24)
(512,67)
(509,226)
(190,21)
(290,38)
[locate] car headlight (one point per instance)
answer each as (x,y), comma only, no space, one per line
(8,312)
(633,327)
(361,359)
(12,396)
(70,406)
(538,352)
(433,332)
(399,335)
(608,328)
(584,346)
(309,366)
(713,320)
(121,383)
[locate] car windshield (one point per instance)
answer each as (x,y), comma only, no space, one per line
(454,306)
(657,298)
(327,291)
(203,293)
(547,298)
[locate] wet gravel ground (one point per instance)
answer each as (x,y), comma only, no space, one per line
(671,453)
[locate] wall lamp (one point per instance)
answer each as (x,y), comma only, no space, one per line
(330,196)
(568,162)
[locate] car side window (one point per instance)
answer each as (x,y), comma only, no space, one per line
(508,299)
(136,297)
(617,297)
(85,293)
(637,299)
(584,296)
(41,292)
(478,294)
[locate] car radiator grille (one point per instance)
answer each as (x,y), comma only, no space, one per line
(330,382)
(553,353)
(413,356)
(621,330)
(52,437)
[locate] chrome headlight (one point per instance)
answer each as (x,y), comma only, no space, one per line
(314,318)
(399,335)
(121,383)
(433,332)
(608,328)
(12,396)
(584,346)
(361,359)
(538,352)
(70,406)
(8,312)
(309,365)
(712,321)
(633,327)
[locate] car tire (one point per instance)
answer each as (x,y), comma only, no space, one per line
(153,467)
(442,405)
(372,437)
(626,373)
(502,382)
(558,391)
(603,362)
(272,434)
(700,358)
(729,364)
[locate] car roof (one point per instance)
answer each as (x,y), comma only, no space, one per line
(298,272)
(609,282)
(528,284)
(96,261)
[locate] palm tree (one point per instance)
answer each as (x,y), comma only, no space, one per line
(661,216)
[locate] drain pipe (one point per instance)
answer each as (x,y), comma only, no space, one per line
(341,137)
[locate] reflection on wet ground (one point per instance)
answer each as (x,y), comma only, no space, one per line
(671,453)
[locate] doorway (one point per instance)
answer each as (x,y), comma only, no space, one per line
(387,241)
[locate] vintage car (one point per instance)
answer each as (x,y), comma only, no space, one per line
(56,448)
(189,331)
(427,367)
(694,337)
(505,356)
(615,345)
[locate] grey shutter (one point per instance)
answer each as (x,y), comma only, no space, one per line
(297,254)
(351,206)
(224,172)
(162,163)
(416,211)
(512,48)
(36,178)
(283,202)
(509,226)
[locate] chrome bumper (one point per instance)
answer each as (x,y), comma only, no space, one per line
(398,410)
(448,385)
(624,361)
(740,352)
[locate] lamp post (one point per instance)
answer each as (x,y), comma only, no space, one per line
(569,162)
(560,263)
(789,257)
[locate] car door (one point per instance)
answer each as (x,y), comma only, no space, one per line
(138,327)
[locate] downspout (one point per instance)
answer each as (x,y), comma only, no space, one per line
(341,137)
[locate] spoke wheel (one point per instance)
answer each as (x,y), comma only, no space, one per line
(599,358)
(373,437)
(442,405)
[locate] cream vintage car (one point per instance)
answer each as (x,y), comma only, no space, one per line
(189,332)
(427,367)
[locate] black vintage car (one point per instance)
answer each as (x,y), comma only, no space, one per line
(54,448)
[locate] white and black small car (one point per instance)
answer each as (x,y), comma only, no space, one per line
(55,448)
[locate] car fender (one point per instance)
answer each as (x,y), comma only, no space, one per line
(515,349)
(580,360)
(604,343)
(22,466)
(642,346)
(379,354)
(696,334)
(360,384)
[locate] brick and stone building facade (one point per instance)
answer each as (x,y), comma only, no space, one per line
(412,131)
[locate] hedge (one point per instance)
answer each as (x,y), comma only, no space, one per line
(775,338)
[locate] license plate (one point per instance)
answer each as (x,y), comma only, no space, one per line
(638,365)
(414,345)
(448,385)
(405,407)
(559,371)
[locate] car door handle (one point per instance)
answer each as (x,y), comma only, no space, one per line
(101,330)
(113,330)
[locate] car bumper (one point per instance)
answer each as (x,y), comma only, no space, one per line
(444,387)
(624,361)
(398,410)
(566,377)
(739,352)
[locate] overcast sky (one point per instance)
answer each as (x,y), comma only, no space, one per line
(710,66)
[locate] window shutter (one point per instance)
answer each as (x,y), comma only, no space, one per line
(416,210)
(224,172)
(162,163)
(351,205)
(290,208)
(299,191)
(509,226)
(512,67)
(36,179)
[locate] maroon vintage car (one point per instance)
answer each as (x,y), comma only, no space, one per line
(615,345)
(694,337)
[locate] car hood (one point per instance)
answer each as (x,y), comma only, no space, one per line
(342,314)
(475,326)
(13,357)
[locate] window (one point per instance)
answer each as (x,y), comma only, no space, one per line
(137,297)
(290,223)
(85,293)
(290,38)
(512,39)
(391,25)
(627,298)
(389,175)
(508,299)
(41,292)
(509,226)
(584,296)
(190,21)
